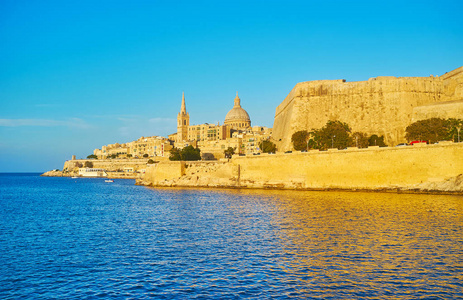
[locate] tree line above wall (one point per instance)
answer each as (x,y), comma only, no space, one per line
(337,134)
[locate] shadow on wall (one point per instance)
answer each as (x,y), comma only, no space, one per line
(208,156)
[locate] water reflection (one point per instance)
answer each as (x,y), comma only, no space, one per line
(341,243)
(92,240)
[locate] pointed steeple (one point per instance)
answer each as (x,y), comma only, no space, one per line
(183,121)
(237,100)
(183,108)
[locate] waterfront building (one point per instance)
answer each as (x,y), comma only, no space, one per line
(154,146)
(111,149)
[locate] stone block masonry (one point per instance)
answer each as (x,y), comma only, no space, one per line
(115,168)
(381,105)
(109,164)
(436,167)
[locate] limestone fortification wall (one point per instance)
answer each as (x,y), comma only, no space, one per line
(448,109)
(108,164)
(422,167)
(201,173)
(381,105)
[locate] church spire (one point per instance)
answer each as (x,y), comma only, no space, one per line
(183,108)
(183,121)
(237,100)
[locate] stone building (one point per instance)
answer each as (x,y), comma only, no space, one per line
(154,146)
(251,139)
(213,139)
(111,149)
(237,118)
(183,121)
(208,132)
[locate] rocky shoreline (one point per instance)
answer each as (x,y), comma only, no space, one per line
(453,186)
(111,175)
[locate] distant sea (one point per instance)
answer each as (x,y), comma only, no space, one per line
(63,238)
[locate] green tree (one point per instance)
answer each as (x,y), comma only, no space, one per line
(78,165)
(150,161)
(454,131)
(145,155)
(187,153)
(335,134)
(175,154)
(267,146)
(229,152)
(375,140)
(88,164)
(92,156)
(129,155)
(430,130)
(190,153)
(299,140)
(360,140)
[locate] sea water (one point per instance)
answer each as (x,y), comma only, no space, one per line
(64,238)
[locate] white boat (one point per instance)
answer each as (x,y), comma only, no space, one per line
(73,177)
(109,180)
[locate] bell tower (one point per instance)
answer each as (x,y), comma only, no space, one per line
(183,121)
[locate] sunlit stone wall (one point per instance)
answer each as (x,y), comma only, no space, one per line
(419,166)
(108,164)
(383,105)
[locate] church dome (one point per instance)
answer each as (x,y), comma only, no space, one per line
(237,115)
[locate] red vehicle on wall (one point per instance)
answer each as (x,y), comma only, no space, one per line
(417,142)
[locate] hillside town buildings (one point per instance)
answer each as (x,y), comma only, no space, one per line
(212,139)
(153,146)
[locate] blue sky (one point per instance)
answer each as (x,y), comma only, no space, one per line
(76,75)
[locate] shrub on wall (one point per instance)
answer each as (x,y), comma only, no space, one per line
(375,140)
(229,152)
(268,147)
(360,140)
(175,154)
(434,130)
(335,134)
(187,153)
(191,153)
(299,140)
(454,127)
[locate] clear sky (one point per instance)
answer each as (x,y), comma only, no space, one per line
(76,75)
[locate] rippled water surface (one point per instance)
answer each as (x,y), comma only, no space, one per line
(66,238)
